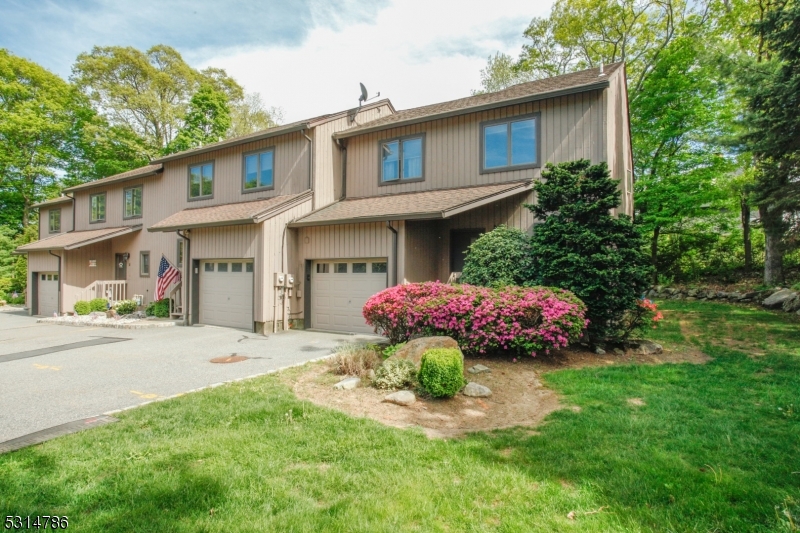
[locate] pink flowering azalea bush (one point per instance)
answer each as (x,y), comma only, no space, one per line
(481,319)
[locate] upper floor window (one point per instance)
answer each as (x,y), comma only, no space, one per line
(201,180)
(258,170)
(132,199)
(402,159)
(509,144)
(54,216)
(97,207)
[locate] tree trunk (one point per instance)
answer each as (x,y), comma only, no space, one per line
(748,245)
(654,253)
(773,249)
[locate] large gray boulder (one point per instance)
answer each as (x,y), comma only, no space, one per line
(414,349)
(792,304)
(777,299)
(348,384)
(645,347)
(476,390)
(402,397)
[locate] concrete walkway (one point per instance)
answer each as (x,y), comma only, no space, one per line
(54,374)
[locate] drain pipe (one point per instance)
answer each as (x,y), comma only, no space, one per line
(343,147)
(73,210)
(187,261)
(310,160)
(59,273)
(394,253)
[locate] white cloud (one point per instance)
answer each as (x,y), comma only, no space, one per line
(415,52)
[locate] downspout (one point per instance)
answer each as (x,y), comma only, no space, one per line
(310,161)
(343,147)
(60,281)
(187,261)
(394,254)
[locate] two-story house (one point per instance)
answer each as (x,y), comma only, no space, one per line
(348,204)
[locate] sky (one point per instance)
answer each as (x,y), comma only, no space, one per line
(305,56)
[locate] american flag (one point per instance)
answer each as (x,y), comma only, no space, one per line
(167,275)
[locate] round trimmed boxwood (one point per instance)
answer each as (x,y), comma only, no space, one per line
(82,307)
(99,304)
(441,372)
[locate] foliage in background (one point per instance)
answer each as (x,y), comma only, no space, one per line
(497,258)
(158,309)
(392,349)
(125,307)
(396,374)
(529,320)
(207,120)
(441,372)
(581,247)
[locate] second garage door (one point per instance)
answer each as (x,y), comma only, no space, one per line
(48,293)
(339,290)
(226,293)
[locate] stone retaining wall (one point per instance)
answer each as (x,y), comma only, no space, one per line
(778,299)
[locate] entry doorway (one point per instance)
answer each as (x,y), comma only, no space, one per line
(460,241)
(121,267)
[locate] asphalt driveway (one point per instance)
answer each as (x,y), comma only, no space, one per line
(55,374)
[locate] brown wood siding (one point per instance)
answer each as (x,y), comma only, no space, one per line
(44,219)
(572,127)
(328,155)
(423,247)
(619,142)
(77,275)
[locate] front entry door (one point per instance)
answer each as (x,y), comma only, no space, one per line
(120,267)
(459,243)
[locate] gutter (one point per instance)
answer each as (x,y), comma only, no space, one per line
(343,148)
(60,280)
(473,109)
(187,261)
(395,258)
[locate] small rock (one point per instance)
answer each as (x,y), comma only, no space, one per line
(403,397)
(750,295)
(722,295)
(618,351)
(691,299)
(475,390)
(792,304)
(479,369)
(371,375)
(692,292)
(777,299)
(599,351)
(348,383)
(649,348)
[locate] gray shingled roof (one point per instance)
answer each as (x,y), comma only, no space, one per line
(75,239)
(53,201)
(441,203)
(141,172)
(584,80)
(229,214)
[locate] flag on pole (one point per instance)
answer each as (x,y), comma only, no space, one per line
(167,275)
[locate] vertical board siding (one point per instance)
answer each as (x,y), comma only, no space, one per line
(44,219)
(76,273)
(572,127)
(423,247)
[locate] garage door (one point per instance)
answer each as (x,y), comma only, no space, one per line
(48,293)
(226,293)
(339,290)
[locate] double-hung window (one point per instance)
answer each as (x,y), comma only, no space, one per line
(97,207)
(259,171)
(201,180)
(144,264)
(54,216)
(132,200)
(510,144)
(402,159)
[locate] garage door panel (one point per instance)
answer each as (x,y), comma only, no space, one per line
(338,295)
(226,294)
(47,296)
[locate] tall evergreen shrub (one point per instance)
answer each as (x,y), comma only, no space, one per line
(497,258)
(580,246)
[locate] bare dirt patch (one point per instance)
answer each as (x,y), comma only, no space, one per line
(518,396)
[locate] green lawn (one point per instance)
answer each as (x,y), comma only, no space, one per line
(715,448)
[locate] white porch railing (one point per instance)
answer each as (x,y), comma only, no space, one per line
(111,290)
(176,301)
(454,278)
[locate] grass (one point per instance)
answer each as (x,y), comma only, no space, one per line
(715,447)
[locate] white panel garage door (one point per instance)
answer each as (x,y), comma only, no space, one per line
(339,290)
(226,293)
(48,293)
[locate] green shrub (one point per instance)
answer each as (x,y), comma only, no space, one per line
(441,372)
(159,308)
(583,248)
(391,350)
(396,374)
(498,258)
(19,300)
(82,307)
(125,307)
(98,304)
